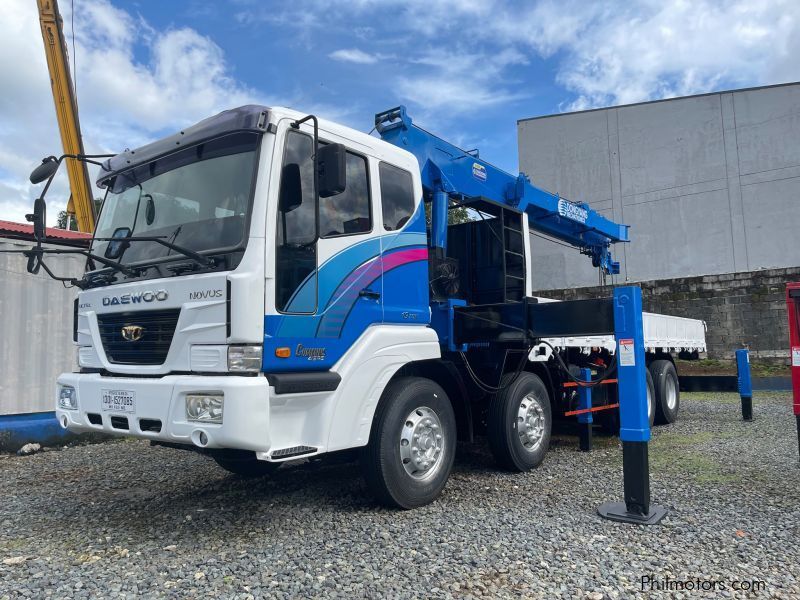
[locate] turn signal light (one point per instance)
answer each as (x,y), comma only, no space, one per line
(283,352)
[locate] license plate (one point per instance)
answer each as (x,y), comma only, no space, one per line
(119,401)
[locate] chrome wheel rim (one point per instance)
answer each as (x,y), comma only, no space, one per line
(650,404)
(530,422)
(671,393)
(422,443)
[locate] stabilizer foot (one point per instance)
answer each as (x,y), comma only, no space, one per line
(618,511)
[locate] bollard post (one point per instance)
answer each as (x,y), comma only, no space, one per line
(793,310)
(634,425)
(585,419)
(744,382)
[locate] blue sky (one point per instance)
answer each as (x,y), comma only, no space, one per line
(466,70)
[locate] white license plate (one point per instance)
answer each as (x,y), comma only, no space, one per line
(119,401)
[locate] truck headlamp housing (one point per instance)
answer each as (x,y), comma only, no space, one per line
(205,408)
(67,398)
(244,359)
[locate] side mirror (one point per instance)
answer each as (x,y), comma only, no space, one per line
(332,169)
(38,218)
(291,188)
(45,170)
(149,210)
(115,249)
(34,262)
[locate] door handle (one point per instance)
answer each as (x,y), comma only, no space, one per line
(371,294)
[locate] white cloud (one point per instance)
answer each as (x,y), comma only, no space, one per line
(606,52)
(354,55)
(651,50)
(123,102)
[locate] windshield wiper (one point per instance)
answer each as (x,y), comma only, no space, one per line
(195,256)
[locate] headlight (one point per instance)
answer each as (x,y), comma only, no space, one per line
(204,407)
(67,398)
(244,358)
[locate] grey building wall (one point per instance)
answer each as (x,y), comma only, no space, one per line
(709,184)
(35,331)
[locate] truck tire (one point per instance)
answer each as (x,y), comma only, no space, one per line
(412,444)
(519,424)
(243,463)
(668,396)
(610,420)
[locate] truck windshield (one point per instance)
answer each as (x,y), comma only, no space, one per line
(198,198)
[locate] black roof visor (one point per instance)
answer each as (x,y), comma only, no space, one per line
(245,118)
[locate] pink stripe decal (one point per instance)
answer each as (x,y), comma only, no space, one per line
(346,294)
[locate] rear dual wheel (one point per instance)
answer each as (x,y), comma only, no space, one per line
(667,391)
(520,422)
(609,419)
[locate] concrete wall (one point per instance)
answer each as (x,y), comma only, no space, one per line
(738,308)
(709,184)
(35,331)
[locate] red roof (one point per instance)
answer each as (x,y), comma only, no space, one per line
(25,232)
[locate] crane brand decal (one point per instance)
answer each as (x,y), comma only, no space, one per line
(136,298)
(479,171)
(310,353)
(572,211)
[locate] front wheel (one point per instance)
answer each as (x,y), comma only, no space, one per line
(520,421)
(412,443)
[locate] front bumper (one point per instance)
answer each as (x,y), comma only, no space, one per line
(162,401)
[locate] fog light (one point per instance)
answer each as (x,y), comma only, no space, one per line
(244,358)
(204,407)
(67,398)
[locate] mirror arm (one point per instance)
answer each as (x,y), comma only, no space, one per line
(82,252)
(315,163)
(79,283)
(82,157)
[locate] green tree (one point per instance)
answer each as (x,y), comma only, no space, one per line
(64,221)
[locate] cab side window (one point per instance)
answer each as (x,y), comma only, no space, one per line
(349,212)
(296,252)
(397,196)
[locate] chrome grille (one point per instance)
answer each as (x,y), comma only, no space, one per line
(158,328)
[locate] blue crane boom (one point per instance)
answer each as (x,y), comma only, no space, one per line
(450,172)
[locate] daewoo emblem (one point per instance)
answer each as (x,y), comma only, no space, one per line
(132,333)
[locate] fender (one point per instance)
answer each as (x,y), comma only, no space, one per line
(365,370)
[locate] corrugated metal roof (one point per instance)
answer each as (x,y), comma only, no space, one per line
(25,231)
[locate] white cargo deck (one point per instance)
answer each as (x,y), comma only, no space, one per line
(661,332)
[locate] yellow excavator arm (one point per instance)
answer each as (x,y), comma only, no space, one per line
(80,203)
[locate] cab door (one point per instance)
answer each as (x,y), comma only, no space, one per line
(328,277)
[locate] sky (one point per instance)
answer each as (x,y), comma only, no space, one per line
(466,70)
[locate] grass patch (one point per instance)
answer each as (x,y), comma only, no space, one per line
(13,544)
(682,453)
(721,397)
(711,366)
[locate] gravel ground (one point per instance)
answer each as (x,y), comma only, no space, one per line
(121,519)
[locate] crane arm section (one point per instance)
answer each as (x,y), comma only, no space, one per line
(450,172)
(55,48)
